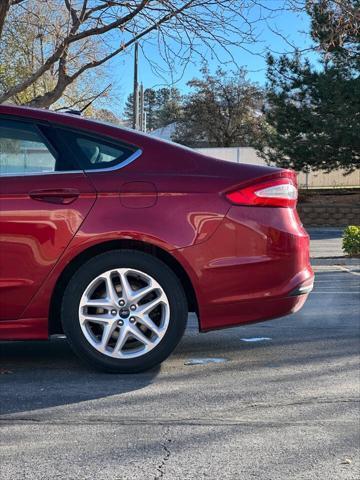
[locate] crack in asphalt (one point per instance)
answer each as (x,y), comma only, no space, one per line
(166,456)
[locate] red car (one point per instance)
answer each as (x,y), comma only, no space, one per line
(111,237)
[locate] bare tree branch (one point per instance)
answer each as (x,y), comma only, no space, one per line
(79,35)
(65,80)
(71,38)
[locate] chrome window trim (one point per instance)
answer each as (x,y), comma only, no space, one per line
(126,162)
(129,160)
(37,174)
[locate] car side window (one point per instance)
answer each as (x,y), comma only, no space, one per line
(23,150)
(94,153)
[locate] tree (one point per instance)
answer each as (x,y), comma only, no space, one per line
(168,106)
(81,35)
(4,9)
(102,114)
(150,108)
(20,58)
(222,111)
(313,113)
(162,106)
(129,109)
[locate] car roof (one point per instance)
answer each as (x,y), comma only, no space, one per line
(35,113)
(64,119)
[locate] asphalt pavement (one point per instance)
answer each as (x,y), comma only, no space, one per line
(282,404)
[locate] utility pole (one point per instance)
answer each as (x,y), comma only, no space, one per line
(145,122)
(136,89)
(142,123)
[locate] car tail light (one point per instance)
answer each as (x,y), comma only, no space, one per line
(277,192)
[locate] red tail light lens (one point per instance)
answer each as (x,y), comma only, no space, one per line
(278,192)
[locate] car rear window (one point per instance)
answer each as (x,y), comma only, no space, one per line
(96,153)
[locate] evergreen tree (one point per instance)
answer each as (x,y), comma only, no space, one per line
(150,108)
(162,106)
(169,106)
(313,114)
(129,110)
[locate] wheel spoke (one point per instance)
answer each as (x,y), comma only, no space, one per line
(120,342)
(147,322)
(98,303)
(148,307)
(142,292)
(135,332)
(127,291)
(100,318)
(111,292)
(107,334)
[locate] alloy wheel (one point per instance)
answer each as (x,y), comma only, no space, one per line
(124,313)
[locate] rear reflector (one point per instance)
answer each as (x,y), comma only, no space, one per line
(302,289)
(278,192)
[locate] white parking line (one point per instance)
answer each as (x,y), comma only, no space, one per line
(255,339)
(349,271)
(204,361)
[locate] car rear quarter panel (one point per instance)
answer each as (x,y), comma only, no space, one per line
(247,269)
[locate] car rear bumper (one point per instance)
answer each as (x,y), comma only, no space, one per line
(255,309)
(303,289)
(255,267)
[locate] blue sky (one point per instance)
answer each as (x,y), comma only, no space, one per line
(292,26)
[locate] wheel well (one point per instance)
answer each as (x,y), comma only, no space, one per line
(55,326)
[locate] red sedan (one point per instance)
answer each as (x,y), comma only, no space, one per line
(111,237)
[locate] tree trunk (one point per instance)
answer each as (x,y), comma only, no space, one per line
(48,98)
(4,7)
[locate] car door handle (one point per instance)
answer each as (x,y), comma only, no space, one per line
(62,196)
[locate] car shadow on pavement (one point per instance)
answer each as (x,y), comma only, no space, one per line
(37,375)
(40,375)
(315,343)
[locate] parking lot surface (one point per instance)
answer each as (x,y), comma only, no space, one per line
(326,242)
(283,403)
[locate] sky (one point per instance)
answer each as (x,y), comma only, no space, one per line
(293,28)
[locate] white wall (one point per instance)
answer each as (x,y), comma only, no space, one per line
(335,179)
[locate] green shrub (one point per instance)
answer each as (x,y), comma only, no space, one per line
(351,240)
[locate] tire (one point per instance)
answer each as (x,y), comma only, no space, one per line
(110,335)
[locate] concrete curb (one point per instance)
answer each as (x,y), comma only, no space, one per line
(336,261)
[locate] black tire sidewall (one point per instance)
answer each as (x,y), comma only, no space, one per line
(124,259)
